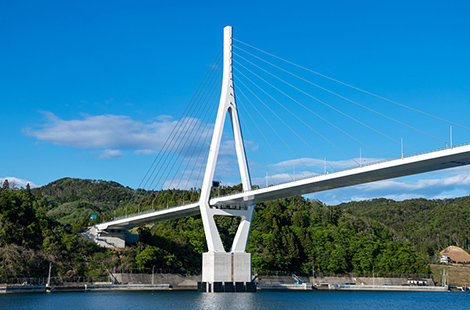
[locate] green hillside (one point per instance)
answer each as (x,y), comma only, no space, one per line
(294,234)
(430,225)
(70,200)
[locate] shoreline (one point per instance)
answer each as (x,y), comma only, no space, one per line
(178,282)
(260,287)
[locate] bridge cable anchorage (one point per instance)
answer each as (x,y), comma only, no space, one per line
(353,87)
(176,130)
(182,130)
(289,127)
(325,104)
(261,132)
(183,142)
(302,121)
(249,133)
(333,93)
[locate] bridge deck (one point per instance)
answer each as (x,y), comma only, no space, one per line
(432,161)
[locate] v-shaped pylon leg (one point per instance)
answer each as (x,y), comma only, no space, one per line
(228,105)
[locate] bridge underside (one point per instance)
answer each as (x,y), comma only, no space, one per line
(110,238)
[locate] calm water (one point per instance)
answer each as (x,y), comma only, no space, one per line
(260,300)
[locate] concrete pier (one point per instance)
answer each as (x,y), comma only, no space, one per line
(226,272)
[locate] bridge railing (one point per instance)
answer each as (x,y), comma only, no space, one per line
(149,211)
(303,178)
(363,165)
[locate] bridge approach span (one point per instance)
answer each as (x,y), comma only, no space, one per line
(443,159)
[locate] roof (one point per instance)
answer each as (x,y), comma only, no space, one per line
(456,254)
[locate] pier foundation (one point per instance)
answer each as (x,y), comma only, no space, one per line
(226,272)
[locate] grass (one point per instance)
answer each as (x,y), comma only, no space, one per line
(457,275)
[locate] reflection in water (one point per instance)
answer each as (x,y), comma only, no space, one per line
(261,300)
(228,301)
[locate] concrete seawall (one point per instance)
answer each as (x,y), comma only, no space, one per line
(397,288)
(359,281)
(22,289)
(159,281)
(176,281)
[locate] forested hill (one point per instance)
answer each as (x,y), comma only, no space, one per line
(69,199)
(430,225)
(294,234)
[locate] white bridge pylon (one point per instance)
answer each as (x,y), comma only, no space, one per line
(228,105)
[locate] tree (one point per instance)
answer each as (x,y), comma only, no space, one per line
(6,185)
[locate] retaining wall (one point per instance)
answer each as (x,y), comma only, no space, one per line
(365,281)
(176,281)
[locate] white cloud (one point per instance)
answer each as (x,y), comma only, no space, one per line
(145,152)
(18,182)
(102,131)
(110,153)
(114,133)
(164,118)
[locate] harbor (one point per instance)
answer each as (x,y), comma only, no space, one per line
(176,282)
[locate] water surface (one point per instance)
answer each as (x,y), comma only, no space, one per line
(260,300)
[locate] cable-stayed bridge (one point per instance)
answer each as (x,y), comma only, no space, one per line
(432,161)
(220,266)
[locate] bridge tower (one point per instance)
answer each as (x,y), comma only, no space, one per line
(221,270)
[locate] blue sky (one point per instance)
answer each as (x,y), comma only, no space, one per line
(89,89)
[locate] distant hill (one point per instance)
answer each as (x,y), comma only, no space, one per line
(288,235)
(69,200)
(430,225)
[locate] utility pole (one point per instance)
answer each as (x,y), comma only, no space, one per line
(360,157)
(451,145)
(48,285)
(373,276)
(153,273)
(401,148)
